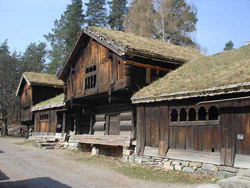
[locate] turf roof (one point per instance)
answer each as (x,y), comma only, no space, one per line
(42,78)
(225,72)
(133,43)
(57,101)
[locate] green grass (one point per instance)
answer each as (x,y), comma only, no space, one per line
(26,142)
(140,171)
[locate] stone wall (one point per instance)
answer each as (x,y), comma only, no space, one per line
(217,171)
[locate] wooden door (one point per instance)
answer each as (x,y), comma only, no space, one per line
(44,126)
(242,127)
(114,125)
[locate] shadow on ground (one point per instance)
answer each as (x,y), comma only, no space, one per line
(1,151)
(3,176)
(44,182)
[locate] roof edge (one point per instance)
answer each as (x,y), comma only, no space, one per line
(48,106)
(20,82)
(226,89)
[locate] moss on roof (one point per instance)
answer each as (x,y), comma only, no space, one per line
(57,99)
(147,45)
(42,78)
(223,69)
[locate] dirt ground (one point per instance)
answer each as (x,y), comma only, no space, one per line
(27,166)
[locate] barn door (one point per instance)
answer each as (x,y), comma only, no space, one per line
(114,125)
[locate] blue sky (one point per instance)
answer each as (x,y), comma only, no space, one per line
(26,21)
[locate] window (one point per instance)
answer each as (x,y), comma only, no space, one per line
(44,117)
(213,113)
(183,115)
(174,115)
(192,114)
(90,77)
(202,113)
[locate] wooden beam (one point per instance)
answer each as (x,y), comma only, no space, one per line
(146,66)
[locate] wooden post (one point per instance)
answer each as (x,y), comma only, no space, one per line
(141,130)
(63,123)
(55,113)
(164,130)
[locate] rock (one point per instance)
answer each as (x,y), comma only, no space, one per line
(235,182)
(160,164)
(223,174)
(227,168)
(245,173)
(178,167)
(138,160)
(94,151)
(131,159)
(194,164)
(185,163)
(209,186)
(209,167)
(167,165)
(127,152)
(176,163)
(188,169)
(199,171)
(125,158)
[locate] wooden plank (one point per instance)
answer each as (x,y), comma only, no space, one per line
(63,123)
(172,138)
(148,75)
(108,140)
(207,138)
(197,138)
(141,134)
(147,66)
(164,131)
(195,123)
(189,138)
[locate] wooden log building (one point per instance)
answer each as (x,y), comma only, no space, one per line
(104,69)
(200,112)
(50,119)
(34,88)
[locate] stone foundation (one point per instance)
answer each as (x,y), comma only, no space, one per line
(217,171)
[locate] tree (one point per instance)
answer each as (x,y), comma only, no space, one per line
(175,21)
(139,19)
(96,13)
(34,58)
(118,9)
(172,21)
(64,34)
(9,75)
(229,46)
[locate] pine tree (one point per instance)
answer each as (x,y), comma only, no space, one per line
(34,58)
(118,9)
(229,46)
(64,34)
(140,18)
(96,13)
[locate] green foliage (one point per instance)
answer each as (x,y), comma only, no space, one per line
(229,46)
(4,48)
(64,34)
(9,76)
(34,58)
(173,21)
(96,13)
(118,9)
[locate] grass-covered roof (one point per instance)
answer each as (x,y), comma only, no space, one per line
(57,101)
(42,78)
(225,72)
(133,43)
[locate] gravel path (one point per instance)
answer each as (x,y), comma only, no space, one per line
(30,167)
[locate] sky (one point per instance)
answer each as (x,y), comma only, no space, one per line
(26,21)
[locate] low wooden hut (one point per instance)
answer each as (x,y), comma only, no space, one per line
(102,72)
(34,88)
(50,119)
(199,112)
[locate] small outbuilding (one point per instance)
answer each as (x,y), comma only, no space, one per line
(50,119)
(34,88)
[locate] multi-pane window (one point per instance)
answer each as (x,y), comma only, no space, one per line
(90,77)
(44,117)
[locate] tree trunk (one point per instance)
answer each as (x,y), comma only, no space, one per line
(5,128)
